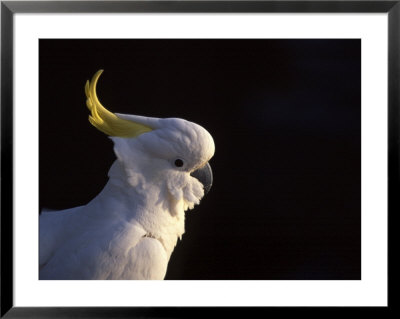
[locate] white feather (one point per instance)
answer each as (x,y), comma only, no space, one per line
(130,229)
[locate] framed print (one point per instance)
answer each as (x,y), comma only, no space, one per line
(294,106)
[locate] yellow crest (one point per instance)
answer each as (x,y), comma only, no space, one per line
(106,121)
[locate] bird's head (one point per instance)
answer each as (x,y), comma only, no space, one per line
(169,152)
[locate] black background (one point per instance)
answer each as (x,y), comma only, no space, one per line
(286,120)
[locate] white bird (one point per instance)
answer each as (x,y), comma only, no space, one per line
(129,230)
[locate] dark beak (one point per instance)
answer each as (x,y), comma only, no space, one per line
(205,176)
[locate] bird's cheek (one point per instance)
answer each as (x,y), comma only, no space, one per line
(176,181)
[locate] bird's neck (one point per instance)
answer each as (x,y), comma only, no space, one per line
(146,204)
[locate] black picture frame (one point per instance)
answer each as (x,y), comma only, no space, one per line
(9,8)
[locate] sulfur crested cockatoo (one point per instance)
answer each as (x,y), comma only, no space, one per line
(131,228)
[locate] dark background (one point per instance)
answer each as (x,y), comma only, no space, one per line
(286,120)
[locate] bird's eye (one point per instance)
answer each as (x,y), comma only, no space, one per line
(178,162)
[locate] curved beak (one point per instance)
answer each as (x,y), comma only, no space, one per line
(205,176)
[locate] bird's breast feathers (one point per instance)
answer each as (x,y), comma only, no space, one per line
(120,251)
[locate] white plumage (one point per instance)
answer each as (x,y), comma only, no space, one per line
(131,228)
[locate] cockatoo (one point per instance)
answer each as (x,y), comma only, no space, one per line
(129,230)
